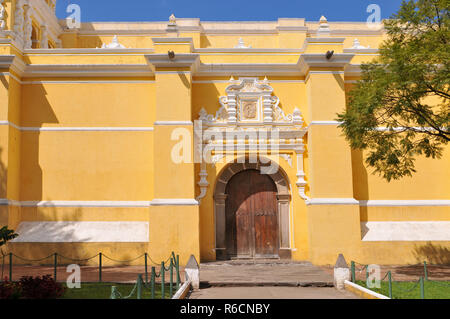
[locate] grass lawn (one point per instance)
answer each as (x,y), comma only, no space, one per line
(433,290)
(103,291)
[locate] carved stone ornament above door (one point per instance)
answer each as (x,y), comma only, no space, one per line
(250,101)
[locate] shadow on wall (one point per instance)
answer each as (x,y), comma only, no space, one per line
(36,111)
(3,208)
(434,254)
(360,183)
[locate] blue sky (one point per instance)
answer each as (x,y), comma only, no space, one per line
(226,10)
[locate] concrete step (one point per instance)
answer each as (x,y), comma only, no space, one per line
(316,284)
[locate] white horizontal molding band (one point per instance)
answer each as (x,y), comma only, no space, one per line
(188,202)
(78,129)
(78,81)
(228,81)
(90,82)
(169,123)
(332,201)
(409,203)
(379,203)
(406,231)
(326,123)
(112,204)
(76,203)
(174,202)
(83,232)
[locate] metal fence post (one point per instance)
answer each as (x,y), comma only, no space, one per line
(153,282)
(10,266)
(353,271)
(171,277)
(425,270)
(146,272)
(113,292)
(367,273)
(100,267)
(163,285)
(139,287)
(422,288)
(178,272)
(390,284)
(55,266)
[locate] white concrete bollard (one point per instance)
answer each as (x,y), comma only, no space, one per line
(341,272)
(192,272)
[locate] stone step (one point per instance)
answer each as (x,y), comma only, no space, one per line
(316,284)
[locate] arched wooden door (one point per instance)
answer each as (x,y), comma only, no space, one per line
(251,216)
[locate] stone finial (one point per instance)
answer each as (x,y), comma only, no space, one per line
(172,20)
(114,44)
(357,45)
(341,272)
(324,27)
(192,272)
(241,45)
(297,117)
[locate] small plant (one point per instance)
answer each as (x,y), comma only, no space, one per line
(9,290)
(6,235)
(40,288)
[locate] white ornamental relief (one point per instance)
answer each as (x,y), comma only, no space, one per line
(28,27)
(2,15)
(19,19)
(250,101)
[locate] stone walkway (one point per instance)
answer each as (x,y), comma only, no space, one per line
(263,273)
(266,279)
(271,293)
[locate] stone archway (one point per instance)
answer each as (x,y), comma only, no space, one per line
(283,202)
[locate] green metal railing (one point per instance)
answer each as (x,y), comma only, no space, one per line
(419,283)
(151,285)
(58,258)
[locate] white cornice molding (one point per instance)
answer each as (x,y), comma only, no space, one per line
(90,51)
(314,60)
(181,60)
(174,202)
(191,202)
(112,204)
(408,203)
(173,123)
(78,129)
(6,61)
(353,70)
(325,123)
(332,201)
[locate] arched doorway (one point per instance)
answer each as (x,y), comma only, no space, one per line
(251,216)
(252,213)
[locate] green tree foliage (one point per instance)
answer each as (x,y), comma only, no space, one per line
(400,108)
(6,235)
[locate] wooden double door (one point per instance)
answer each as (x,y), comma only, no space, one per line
(251,216)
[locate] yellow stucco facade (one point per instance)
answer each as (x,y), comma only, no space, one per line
(90,120)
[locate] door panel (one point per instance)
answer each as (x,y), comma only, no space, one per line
(251,216)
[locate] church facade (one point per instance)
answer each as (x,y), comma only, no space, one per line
(217,139)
